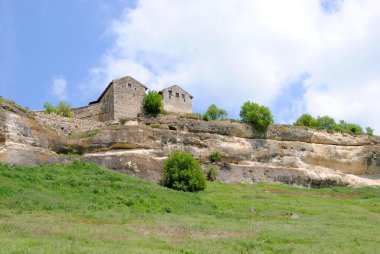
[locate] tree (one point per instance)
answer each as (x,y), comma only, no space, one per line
(153,102)
(305,120)
(325,122)
(258,116)
(213,113)
(183,172)
(369,130)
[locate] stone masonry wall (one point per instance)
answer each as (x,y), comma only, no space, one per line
(108,105)
(128,98)
(177,101)
(90,112)
(65,125)
(101,111)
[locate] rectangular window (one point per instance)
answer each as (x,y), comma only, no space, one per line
(129,85)
(183,96)
(177,95)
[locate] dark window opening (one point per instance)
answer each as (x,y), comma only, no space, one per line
(177,95)
(184,100)
(129,85)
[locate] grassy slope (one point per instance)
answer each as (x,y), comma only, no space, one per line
(82,208)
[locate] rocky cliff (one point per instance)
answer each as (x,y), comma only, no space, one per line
(284,154)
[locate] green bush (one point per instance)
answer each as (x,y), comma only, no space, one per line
(215,156)
(62,109)
(153,102)
(183,172)
(328,123)
(213,113)
(306,120)
(212,173)
(369,130)
(258,116)
(325,122)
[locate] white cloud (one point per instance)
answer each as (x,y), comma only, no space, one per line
(227,52)
(58,88)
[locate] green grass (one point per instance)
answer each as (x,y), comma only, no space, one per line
(85,134)
(155,125)
(83,208)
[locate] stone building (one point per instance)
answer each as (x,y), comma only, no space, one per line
(123,98)
(176,99)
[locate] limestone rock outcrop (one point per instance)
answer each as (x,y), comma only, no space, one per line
(285,154)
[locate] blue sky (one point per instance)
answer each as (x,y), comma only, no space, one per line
(313,56)
(42,40)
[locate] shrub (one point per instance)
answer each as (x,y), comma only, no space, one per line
(352,128)
(153,102)
(183,172)
(325,122)
(215,156)
(258,116)
(212,173)
(213,113)
(328,123)
(62,109)
(369,130)
(305,120)
(49,108)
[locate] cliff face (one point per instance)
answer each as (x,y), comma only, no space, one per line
(284,154)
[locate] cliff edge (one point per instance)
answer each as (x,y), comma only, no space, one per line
(285,154)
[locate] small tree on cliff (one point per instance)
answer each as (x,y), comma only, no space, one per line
(258,116)
(153,102)
(213,113)
(183,172)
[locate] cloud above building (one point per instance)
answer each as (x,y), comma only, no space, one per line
(318,57)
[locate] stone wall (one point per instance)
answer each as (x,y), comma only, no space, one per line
(65,125)
(175,99)
(128,98)
(101,111)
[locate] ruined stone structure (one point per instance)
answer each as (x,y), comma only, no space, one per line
(123,98)
(176,99)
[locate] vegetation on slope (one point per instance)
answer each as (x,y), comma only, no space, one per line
(83,208)
(329,124)
(62,109)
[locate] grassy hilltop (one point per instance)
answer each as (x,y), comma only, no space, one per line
(83,208)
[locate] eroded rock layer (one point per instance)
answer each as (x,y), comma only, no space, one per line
(284,154)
